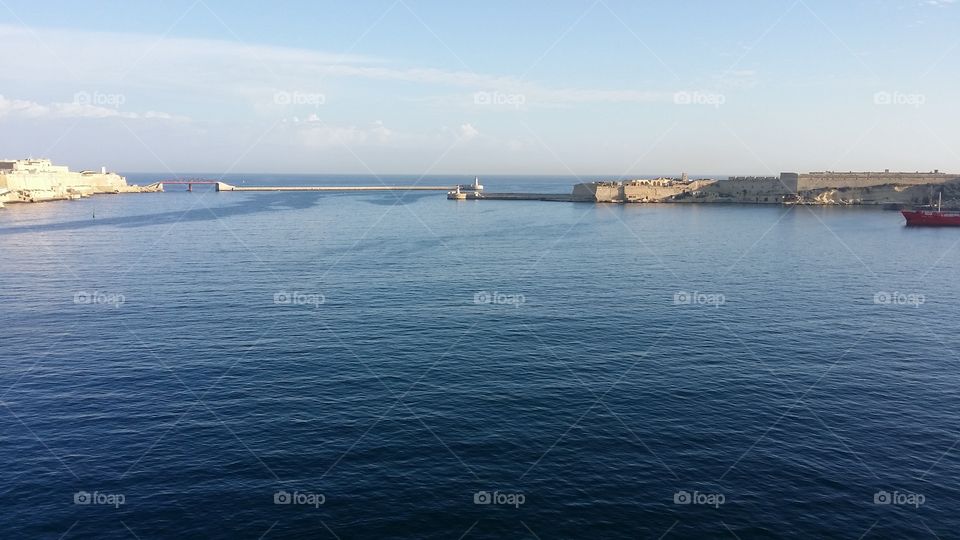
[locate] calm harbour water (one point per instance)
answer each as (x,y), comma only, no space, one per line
(585,369)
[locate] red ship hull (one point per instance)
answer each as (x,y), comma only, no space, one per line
(931,218)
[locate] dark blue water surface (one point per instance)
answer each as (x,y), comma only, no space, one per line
(186,363)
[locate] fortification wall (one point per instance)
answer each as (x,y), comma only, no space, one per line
(649,193)
(768,190)
(661,193)
(790,181)
(822,188)
(824,180)
(105,182)
(53,181)
(40,180)
(598,192)
(886,194)
(751,186)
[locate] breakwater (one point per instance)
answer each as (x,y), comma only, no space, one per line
(556,197)
(223,186)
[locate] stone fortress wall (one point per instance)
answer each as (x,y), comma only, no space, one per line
(767,189)
(634,190)
(661,189)
(835,180)
(598,191)
(35,180)
(816,187)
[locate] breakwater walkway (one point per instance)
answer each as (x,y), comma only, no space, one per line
(559,197)
(222,186)
(468,193)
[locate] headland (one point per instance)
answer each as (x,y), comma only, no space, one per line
(39,180)
(827,187)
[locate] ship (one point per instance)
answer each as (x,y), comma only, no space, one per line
(932,218)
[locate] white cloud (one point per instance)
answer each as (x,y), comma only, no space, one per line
(323,135)
(382,132)
(254,73)
(468,132)
(21,108)
(313,131)
(31,109)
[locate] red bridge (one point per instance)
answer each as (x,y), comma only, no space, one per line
(189,182)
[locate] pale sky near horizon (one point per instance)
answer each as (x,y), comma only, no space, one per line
(593,87)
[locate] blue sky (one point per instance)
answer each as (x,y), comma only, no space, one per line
(406,86)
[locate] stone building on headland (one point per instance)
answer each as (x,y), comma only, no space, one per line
(788,188)
(36,180)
